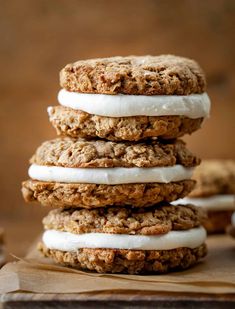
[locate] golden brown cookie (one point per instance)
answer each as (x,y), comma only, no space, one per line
(77,195)
(214,177)
(77,123)
(126,261)
(217,221)
(144,75)
(68,152)
(214,191)
(158,219)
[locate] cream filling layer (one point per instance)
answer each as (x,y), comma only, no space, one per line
(66,241)
(211,203)
(120,105)
(110,176)
(233,219)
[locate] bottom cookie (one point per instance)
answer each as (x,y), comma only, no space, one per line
(217,221)
(127,261)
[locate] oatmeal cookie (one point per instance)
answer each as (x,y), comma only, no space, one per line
(78,195)
(158,219)
(127,261)
(214,177)
(77,123)
(70,152)
(138,75)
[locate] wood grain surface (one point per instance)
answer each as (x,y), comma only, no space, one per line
(116,299)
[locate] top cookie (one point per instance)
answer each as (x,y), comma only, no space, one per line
(214,177)
(138,75)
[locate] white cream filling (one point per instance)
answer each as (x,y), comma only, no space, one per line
(120,105)
(66,241)
(233,219)
(212,203)
(110,176)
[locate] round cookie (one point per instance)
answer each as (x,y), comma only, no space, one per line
(54,194)
(215,192)
(214,177)
(217,221)
(154,220)
(134,75)
(126,261)
(77,123)
(163,220)
(90,174)
(80,153)
(131,98)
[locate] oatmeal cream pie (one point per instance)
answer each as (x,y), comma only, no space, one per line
(131,98)
(215,192)
(68,172)
(158,239)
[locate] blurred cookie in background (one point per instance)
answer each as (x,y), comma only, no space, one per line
(231,228)
(214,191)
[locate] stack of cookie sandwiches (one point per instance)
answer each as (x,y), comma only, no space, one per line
(118,164)
(215,192)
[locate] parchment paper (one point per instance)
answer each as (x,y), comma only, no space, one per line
(216,274)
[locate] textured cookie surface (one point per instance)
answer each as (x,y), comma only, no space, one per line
(93,195)
(155,220)
(217,221)
(128,261)
(146,75)
(76,123)
(214,177)
(67,152)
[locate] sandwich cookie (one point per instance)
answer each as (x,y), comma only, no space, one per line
(75,173)
(131,98)
(157,239)
(215,192)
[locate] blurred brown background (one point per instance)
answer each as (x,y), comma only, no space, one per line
(39,37)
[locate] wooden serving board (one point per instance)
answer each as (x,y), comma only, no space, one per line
(137,299)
